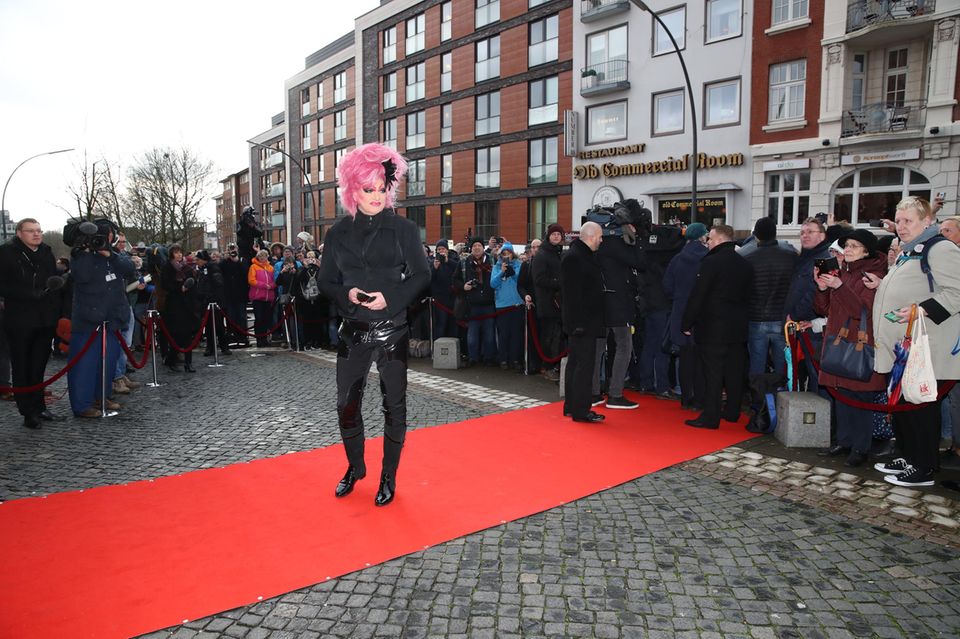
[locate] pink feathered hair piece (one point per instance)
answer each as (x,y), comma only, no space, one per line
(363,167)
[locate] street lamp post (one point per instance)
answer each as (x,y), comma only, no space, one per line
(693,109)
(3,198)
(303,171)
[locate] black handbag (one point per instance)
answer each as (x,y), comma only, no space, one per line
(852,360)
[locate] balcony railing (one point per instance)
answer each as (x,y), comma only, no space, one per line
(884,117)
(865,13)
(274,190)
(591,10)
(272,160)
(604,78)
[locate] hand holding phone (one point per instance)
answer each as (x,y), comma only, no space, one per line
(363,297)
(891,317)
(828,265)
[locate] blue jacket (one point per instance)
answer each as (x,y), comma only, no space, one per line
(678,283)
(505,286)
(95,297)
(799,305)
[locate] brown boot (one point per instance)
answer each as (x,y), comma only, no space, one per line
(111,405)
(129,383)
(89,412)
(119,388)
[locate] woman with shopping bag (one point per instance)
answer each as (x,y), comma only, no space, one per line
(847,361)
(926,274)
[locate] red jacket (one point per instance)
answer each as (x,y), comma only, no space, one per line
(847,301)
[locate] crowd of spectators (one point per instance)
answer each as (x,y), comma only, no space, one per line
(688,314)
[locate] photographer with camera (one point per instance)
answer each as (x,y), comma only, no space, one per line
(510,323)
(99,295)
(473,278)
(32,308)
(235,292)
(210,288)
(444,265)
(180,314)
(249,232)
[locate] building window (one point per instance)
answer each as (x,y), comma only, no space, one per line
(536,3)
(488,59)
(543,161)
(788,197)
(319,122)
(488,168)
(446,221)
(390,133)
(389,45)
(446,173)
(320,172)
(606,122)
(446,72)
(896,77)
(416,82)
(787,90)
(721,101)
(723,19)
(415,28)
(340,125)
(543,101)
(416,178)
(307,205)
(319,96)
(486,219)
(416,129)
(305,134)
(304,102)
(446,21)
(872,193)
(390,90)
(676,21)
(337,159)
(789,10)
(544,39)
(858,79)
(305,173)
(668,112)
(488,113)
(446,123)
(607,54)
(418,215)
(487,11)
(340,87)
(541,213)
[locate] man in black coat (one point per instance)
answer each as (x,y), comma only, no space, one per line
(31,314)
(445,266)
(717,315)
(814,245)
(546,282)
(581,283)
(211,288)
(236,291)
(620,258)
(528,292)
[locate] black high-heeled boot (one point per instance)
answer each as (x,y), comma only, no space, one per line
(387,490)
(345,485)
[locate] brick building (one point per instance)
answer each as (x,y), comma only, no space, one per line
(234,197)
(268,180)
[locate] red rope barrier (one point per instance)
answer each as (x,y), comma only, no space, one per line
(288,311)
(44,384)
(196,339)
(476,318)
(148,338)
(536,341)
(942,392)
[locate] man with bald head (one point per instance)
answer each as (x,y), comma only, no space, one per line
(581,294)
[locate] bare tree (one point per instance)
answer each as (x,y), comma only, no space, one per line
(95,191)
(165,190)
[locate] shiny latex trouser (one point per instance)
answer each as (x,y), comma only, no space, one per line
(360,343)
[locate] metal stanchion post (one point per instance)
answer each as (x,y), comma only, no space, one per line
(286,327)
(430,309)
(152,318)
(526,340)
(103,373)
(216,352)
(296,325)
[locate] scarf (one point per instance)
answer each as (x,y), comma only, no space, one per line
(908,247)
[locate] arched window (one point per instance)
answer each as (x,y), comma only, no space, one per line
(872,193)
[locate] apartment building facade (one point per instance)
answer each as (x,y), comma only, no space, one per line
(268,180)
(233,198)
(855,107)
(634,108)
(473,94)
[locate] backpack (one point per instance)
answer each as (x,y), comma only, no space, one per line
(310,290)
(925,258)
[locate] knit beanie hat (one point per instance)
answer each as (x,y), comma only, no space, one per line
(695,231)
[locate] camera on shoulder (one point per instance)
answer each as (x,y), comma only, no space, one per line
(90,236)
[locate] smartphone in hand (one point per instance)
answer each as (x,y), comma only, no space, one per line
(891,316)
(827,265)
(363,297)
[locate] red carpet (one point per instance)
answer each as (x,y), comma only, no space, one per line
(123,560)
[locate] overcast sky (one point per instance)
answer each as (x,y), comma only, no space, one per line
(115,78)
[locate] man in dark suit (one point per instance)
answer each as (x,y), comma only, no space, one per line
(717,315)
(581,294)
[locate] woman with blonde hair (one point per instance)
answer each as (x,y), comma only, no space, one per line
(262,293)
(937,297)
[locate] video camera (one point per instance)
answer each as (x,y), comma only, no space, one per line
(91,236)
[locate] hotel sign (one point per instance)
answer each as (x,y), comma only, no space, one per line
(611,152)
(880,156)
(670,165)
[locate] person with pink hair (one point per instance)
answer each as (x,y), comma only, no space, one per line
(373,268)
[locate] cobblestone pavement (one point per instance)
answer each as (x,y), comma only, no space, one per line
(723,546)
